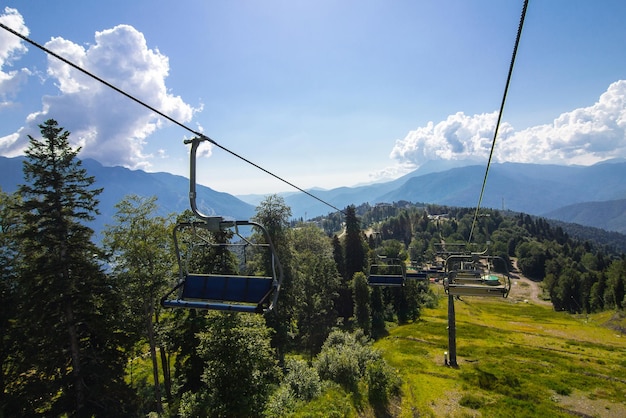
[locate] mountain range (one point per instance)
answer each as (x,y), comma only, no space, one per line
(589,195)
(172,191)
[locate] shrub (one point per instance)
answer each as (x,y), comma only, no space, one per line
(340,365)
(382,382)
(280,403)
(304,381)
(349,359)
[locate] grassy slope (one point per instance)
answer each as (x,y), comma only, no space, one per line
(516,358)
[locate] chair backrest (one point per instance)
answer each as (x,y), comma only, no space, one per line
(242,289)
(385,280)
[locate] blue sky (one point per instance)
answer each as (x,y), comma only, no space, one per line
(321,93)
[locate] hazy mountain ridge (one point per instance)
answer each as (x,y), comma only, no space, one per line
(530,188)
(172,191)
(609,215)
(590,195)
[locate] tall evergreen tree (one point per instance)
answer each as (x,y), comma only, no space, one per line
(355,261)
(71,342)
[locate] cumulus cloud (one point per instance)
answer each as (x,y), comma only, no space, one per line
(459,137)
(582,136)
(108,126)
(11,48)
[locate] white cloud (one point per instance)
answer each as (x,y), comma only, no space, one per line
(108,126)
(11,48)
(582,136)
(459,137)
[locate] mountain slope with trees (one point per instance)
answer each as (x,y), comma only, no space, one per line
(609,215)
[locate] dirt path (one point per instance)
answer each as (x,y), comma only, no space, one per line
(525,290)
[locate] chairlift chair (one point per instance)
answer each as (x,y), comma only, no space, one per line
(387,275)
(216,291)
(475,282)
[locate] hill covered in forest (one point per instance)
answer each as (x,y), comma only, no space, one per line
(609,215)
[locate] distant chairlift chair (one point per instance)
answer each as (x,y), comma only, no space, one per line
(420,276)
(215,291)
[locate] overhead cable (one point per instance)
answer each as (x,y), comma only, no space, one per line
(158,112)
(495,134)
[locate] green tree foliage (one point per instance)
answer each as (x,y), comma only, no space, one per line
(338,256)
(300,384)
(383,383)
(379,328)
(315,285)
(355,261)
(138,244)
(274,215)
(72,358)
(345,359)
(362,302)
(615,293)
(531,259)
(240,370)
(9,272)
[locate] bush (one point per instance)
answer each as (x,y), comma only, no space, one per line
(348,359)
(340,365)
(280,402)
(303,381)
(382,383)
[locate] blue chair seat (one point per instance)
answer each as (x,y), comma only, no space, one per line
(385,280)
(225,288)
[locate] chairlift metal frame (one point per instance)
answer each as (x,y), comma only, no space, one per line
(472,281)
(223,292)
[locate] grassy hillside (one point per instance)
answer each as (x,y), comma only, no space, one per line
(516,356)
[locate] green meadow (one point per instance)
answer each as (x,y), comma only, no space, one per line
(516,358)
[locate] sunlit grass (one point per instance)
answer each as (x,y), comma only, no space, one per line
(515,359)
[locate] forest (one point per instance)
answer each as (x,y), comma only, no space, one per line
(84,332)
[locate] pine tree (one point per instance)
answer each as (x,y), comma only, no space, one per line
(72,343)
(354,257)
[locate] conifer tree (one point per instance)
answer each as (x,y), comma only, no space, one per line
(354,257)
(71,347)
